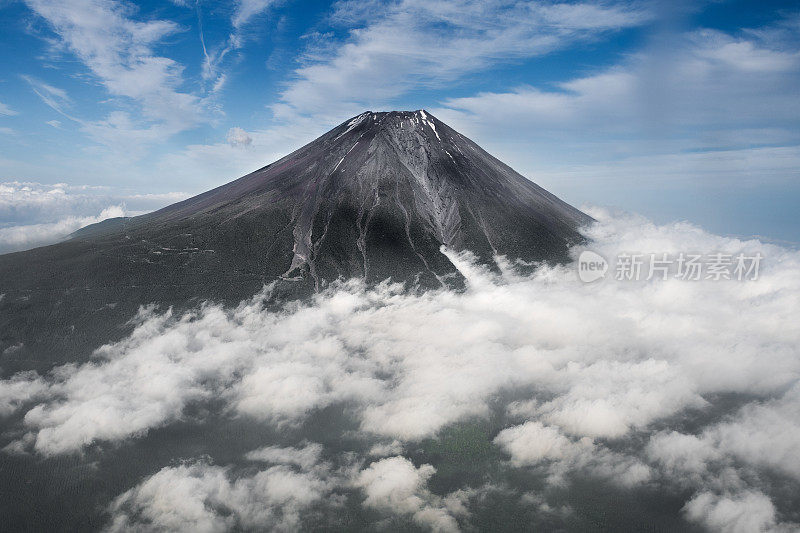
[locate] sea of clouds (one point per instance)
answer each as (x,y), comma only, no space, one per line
(35,214)
(691,386)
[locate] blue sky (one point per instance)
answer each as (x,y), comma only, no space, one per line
(678,111)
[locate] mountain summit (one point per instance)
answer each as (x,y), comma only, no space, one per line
(374,198)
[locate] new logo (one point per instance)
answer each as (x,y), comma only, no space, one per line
(591,266)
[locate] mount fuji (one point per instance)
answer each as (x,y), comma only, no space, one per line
(375,198)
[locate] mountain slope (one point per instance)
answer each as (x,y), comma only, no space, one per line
(374,198)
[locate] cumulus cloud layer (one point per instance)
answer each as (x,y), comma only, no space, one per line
(396,485)
(286,484)
(16,238)
(34,214)
(203,497)
(603,380)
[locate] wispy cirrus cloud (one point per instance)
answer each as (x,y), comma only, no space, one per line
(712,109)
(57,99)
(393,47)
(119,51)
(216,55)
(5,110)
(247,10)
(696,84)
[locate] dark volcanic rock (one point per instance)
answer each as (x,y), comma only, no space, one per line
(374,198)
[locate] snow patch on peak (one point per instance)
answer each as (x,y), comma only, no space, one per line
(353,123)
(433,127)
(430,123)
(345,155)
(359,118)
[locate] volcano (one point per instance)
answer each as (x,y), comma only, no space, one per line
(375,198)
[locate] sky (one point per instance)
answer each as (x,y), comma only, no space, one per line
(675,110)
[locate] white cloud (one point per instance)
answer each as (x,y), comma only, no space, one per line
(532,444)
(602,374)
(694,112)
(238,137)
(742,54)
(395,485)
(612,405)
(693,83)
(199,496)
(34,213)
(682,454)
(19,390)
(246,10)
(202,497)
(180,499)
(395,47)
(766,434)
(386,449)
(5,110)
(118,50)
(28,201)
(57,99)
(762,434)
(606,374)
(742,513)
(305,457)
(24,237)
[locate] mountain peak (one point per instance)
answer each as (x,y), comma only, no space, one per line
(390,119)
(376,197)
(390,184)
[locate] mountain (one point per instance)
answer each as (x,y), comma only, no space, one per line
(374,198)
